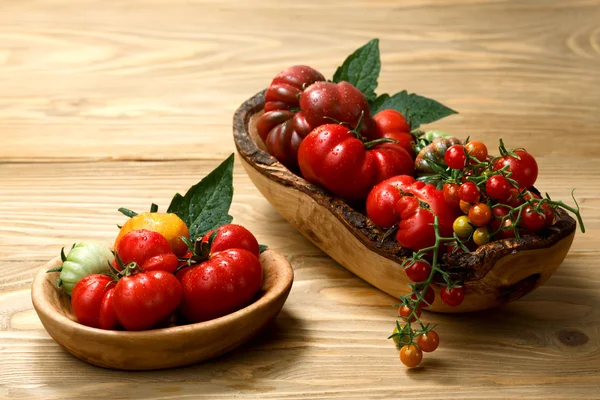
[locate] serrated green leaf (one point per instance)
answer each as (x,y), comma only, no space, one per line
(417,110)
(361,69)
(205,205)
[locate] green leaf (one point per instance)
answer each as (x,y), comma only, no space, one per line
(361,69)
(262,247)
(205,206)
(417,110)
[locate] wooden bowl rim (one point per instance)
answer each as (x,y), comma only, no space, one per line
(464,266)
(280,287)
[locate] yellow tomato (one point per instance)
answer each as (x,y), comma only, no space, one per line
(168,225)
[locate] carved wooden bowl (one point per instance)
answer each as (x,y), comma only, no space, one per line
(495,273)
(166,347)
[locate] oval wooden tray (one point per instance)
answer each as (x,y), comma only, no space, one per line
(167,347)
(494,274)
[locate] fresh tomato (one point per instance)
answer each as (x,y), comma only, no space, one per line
(149,249)
(451,194)
(390,121)
(477,149)
(462,227)
(480,214)
(83,259)
(481,236)
(419,271)
(469,192)
(455,157)
(434,153)
(532,220)
(428,342)
(498,187)
(405,140)
(88,301)
(144,299)
(226,282)
(382,199)
(233,236)
(282,128)
(411,355)
(404,312)
(334,158)
(523,169)
(453,296)
(169,225)
(324,102)
(108,315)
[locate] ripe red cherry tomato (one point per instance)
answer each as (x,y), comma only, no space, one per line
(451,194)
(150,250)
(468,192)
(87,299)
(453,296)
(144,299)
(389,121)
(531,220)
(455,157)
(428,297)
(419,271)
(232,236)
(404,312)
(428,342)
(524,169)
(498,187)
(477,149)
(480,214)
(228,281)
(411,355)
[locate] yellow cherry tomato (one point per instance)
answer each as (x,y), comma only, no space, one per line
(481,236)
(462,227)
(168,225)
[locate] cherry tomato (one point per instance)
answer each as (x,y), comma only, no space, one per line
(453,296)
(464,206)
(228,281)
(388,121)
(480,214)
(508,230)
(428,297)
(531,220)
(469,192)
(428,342)
(481,236)
(232,236)
(498,187)
(411,355)
(524,169)
(87,299)
(405,312)
(477,149)
(462,227)
(451,194)
(514,200)
(455,157)
(419,271)
(144,299)
(149,249)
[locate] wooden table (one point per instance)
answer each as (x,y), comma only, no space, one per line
(113,103)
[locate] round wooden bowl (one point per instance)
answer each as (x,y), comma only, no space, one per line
(496,273)
(166,347)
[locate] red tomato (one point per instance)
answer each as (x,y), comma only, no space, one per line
(419,271)
(228,281)
(498,187)
(469,192)
(455,157)
(286,87)
(477,149)
(382,199)
(108,315)
(451,194)
(411,355)
(405,140)
(429,341)
(480,214)
(334,158)
(323,102)
(524,169)
(390,121)
(531,220)
(145,299)
(453,296)
(405,312)
(232,236)
(87,300)
(150,250)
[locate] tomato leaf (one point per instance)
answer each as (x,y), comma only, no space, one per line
(205,205)
(361,69)
(417,110)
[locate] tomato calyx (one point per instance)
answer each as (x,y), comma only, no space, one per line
(200,251)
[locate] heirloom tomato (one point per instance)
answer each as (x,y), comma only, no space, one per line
(523,168)
(91,301)
(149,249)
(232,236)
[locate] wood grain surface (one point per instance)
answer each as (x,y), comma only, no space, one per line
(106,104)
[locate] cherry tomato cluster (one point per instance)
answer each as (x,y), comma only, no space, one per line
(158,277)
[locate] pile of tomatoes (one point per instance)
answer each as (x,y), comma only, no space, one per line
(157,277)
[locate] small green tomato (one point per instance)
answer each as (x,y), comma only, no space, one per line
(83,259)
(481,236)
(462,227)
